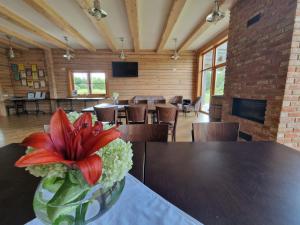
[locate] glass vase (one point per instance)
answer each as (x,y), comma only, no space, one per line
(57,204)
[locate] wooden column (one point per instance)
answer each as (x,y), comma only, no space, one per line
(51,77)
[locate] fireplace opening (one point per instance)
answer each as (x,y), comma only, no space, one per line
(250,109)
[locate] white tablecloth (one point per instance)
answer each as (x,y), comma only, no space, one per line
(139,205)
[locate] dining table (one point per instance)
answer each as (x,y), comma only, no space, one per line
(217,183)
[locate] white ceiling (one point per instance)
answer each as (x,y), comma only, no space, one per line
(152,17)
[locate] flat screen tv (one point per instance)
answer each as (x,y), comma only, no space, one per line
(125,69)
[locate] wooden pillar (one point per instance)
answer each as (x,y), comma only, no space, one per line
(51,78)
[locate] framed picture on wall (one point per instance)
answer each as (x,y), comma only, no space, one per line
(30,83)
(23,74)
(41,73)
(28,72)
(42,83)
(35,75)
(21,67)
(34,68)
(15,71)
(36,85)
(23,82)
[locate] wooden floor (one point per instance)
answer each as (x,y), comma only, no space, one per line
(14,129)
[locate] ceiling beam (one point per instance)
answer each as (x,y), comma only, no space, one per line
(16,19)
(99,25)
(12,44)
(22,37)
(199,29)
(174,13)
(46,10)
(132,14)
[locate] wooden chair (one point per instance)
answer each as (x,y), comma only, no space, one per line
(195,106)
(215,131)
(121,113)
(138,102)
(123,102)
(144,132)
(107,114)
(136,114)
(160,101)
(168,115)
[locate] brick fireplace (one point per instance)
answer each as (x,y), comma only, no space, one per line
(259,49)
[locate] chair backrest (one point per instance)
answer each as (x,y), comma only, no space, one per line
(141,102)
(136,114)
(160,101)
(176,100)
(107,114)
(197,104)
(144,132)
(215,131)
(123,102)
(166,114)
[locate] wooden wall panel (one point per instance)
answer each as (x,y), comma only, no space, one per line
(158,74)
(5,81)
(33,56)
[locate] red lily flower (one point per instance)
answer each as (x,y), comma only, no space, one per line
(71,144)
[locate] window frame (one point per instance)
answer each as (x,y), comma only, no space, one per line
(72,87)
(213,68)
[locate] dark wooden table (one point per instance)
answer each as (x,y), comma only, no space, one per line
(256,183)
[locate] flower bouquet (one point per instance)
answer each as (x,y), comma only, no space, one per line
(82,165)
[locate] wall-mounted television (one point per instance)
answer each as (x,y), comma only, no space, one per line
(125,69)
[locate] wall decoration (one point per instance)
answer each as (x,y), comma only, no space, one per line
(34,68)
(30,95)
(21,67)
(38,95)
(28,72)
(42,83)
(41,73)
(35,75)
(30,83)
(36,84)
(22,74)
(24,82)
(15,71)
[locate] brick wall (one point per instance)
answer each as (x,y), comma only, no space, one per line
(289,126)
(258,59)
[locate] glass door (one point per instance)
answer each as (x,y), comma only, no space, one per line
(213,74)
(206,87)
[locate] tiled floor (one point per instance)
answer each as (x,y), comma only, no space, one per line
(14,129)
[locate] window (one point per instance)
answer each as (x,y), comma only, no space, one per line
(89,83)
(213,73)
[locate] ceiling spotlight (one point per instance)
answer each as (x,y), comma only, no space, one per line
(122,54)
(175,55)
(68,56)
(216,15)
(97,11)
(11,53)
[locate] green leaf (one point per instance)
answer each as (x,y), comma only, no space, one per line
(52,184)
(71,191)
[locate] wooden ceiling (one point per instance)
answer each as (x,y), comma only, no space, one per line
(145,25)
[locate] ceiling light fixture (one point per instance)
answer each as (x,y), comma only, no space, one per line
(97,11)
(216,15)
(122,54)
(11,53)
(68,56)
(175,56)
